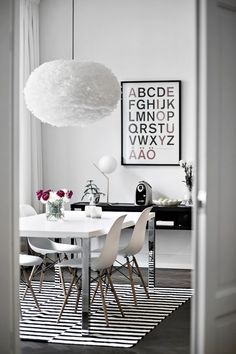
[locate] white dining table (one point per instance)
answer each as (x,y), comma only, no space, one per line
(76,225)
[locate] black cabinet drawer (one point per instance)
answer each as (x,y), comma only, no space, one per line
(178,218)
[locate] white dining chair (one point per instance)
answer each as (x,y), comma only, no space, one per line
(134,246)
(101,265)
(26,261)
(46,247)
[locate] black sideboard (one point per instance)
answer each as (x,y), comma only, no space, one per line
(166,217)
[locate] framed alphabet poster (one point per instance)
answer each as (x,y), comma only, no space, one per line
(151,122)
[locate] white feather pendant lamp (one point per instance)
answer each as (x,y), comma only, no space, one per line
(69,93)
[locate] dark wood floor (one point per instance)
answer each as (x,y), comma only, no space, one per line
(172,336)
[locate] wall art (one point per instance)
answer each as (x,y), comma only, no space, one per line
(151,122)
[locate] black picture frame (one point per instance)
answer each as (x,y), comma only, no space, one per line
(151,123)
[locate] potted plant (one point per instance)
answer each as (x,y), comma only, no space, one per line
(93,192)
(188,171)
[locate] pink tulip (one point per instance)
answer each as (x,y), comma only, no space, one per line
(39,193)
(60,193)
(69,194)
(45,196)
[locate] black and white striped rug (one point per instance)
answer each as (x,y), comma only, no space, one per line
(122,332)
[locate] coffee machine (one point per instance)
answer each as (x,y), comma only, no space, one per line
(143,194)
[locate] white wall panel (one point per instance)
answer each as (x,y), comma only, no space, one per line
(137,40)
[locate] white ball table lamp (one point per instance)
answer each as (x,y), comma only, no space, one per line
(106,165)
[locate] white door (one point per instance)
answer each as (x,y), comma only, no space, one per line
(214,312)
(9,245)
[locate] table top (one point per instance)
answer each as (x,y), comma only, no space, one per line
(74,224)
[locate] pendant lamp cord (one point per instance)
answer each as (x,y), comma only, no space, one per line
(73,31)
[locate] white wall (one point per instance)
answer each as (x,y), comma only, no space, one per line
(138,40)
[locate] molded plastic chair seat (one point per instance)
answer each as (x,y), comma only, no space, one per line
(134,246)
(136,242)
(26,260)
(125,251)
(45,246)
(95,264)
(100,264)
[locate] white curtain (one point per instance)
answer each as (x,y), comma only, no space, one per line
(30,127)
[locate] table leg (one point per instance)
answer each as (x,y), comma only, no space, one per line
(151,255)
(85,285)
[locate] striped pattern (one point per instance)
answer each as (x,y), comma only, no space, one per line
(122,332)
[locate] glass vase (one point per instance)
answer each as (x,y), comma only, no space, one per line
(189,198)
(55,210)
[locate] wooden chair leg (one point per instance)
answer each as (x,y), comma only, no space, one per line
(141,277)
(32,273)
(131,281)
(42,273)
(103,275)
(67,296)
(30,278)
(95,292)
(21,314)
(108,271)
(78,296)
(62,280)
(106,281)
(31,289)
(103,298)
(115,294)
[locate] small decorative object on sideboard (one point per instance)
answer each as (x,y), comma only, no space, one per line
(143,193)
(54,202)
(93,192)
(188,170)
(167,202)
(93,211)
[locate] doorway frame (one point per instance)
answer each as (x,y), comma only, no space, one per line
(9,142)
(14,200)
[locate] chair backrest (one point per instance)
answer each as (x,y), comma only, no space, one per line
(27,210)
(138,236)
(110,249)
(41,245)
(37,244)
